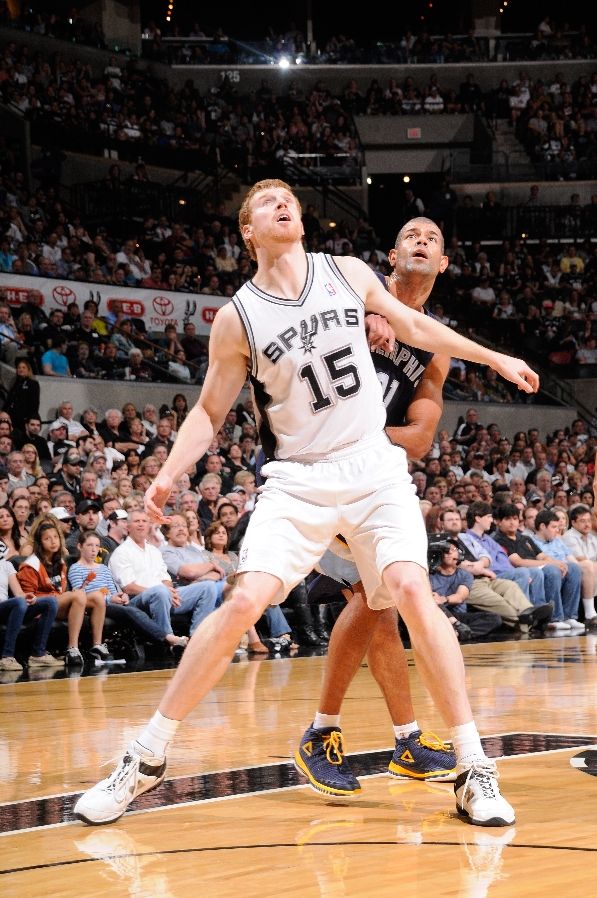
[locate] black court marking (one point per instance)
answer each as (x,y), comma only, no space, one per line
(286,845)
(586,762)
(57,809)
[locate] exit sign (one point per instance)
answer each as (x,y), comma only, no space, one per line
(413,133)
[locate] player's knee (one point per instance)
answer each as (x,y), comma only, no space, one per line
(245,603)
(407,583)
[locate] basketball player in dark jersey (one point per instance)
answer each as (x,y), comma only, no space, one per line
(412,380)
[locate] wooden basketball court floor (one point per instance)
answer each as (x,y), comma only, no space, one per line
(233,819)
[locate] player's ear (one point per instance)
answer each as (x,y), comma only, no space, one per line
(443,264)
(392,256)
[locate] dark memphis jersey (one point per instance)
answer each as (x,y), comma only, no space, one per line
(311,369)
(399,373)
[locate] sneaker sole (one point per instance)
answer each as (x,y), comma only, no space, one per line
(493,821)
(85,819)
(321,787)
(438,776)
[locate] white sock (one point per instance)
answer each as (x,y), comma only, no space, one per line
(322,721)
(403,730)
(158,734)
(589,607)
(467,744)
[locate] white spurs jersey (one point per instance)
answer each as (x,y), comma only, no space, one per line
(311,370)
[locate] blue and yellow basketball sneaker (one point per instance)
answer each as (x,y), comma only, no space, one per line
(423,756)
(320,757)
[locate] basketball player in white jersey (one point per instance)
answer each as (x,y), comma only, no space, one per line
(412,382)
(298,329)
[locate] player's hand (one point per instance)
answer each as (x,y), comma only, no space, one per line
(517,372)
(379,333)
(156,497)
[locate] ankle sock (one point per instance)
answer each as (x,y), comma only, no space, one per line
(322,721)
(467,744)
(403,730)
(158,734)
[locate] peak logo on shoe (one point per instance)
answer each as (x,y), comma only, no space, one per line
(586,762)
(407,757)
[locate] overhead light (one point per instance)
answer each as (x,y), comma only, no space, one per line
(406,179)
(283,62)
(369,181)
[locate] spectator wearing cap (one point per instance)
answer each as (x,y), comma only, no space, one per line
(64,518)
(139,569)
(117,530)
(54,362)
(70,473)
(58,443)
(87,518)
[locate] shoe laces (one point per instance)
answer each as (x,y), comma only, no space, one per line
(121,773)
(433,741)
(486,774)
(334,749)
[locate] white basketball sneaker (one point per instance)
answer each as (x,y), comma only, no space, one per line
(478,797)
(138,772)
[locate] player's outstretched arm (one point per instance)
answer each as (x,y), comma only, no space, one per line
(227,372)
(427,333)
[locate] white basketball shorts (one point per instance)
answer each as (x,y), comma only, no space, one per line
(363,492)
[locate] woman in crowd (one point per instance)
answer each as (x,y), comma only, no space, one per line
(181,408)
(22,401)
(150,467)
(216,546)
(133,461)
(192,519)
(31,457)
(22,509)
(15,610)
(43,573)
(10,535)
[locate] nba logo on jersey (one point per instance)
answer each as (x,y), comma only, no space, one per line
(243,555)
(331,289)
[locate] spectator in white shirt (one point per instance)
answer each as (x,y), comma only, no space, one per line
(139,570)
(582,543)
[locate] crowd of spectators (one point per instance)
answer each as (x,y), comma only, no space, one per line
(193,43)
(123,106)
(83,481)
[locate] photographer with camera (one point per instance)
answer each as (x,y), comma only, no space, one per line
(451,588)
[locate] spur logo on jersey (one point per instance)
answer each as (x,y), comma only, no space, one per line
(331,289)
(308,336)
(304,335)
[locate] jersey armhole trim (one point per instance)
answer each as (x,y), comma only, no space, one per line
(248,331)
(336,271)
